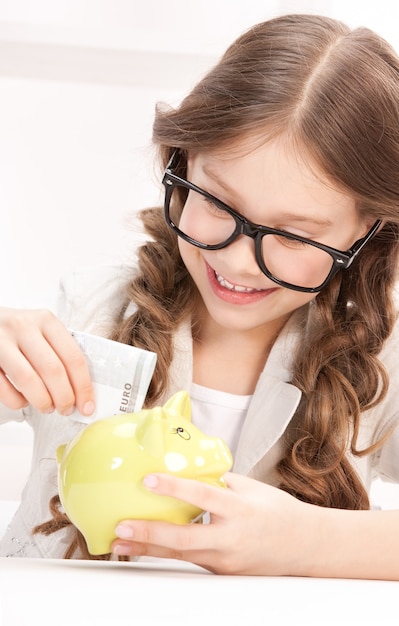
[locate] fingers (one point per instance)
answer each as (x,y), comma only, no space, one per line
(216,500)
(9,395)
(35,369)
(201,544)
(42,364)
(252,533)
(161,539)
(237,482)
(76,376)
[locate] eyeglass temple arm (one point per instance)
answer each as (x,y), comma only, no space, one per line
(173,160)
(360,243)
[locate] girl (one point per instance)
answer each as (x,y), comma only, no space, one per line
(267,290)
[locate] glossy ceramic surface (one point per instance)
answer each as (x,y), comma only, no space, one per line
(100,472)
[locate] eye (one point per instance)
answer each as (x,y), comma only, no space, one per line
(292,243)
(213,208)
(184,434)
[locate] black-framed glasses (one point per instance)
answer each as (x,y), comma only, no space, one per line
(289,260)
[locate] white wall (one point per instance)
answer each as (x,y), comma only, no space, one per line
(78,85)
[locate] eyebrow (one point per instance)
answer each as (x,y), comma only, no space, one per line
(295,217)
(291,217)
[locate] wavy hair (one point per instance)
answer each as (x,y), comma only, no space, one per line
(333,93)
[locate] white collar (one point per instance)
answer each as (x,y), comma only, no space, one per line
(275,399)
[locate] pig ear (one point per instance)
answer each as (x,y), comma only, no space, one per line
(179,405)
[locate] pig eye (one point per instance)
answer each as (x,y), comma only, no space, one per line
(184,434)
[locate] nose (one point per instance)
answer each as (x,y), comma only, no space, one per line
(240,255)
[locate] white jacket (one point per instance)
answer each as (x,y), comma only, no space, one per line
(88,302)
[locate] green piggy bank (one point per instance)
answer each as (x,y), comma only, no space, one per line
(100,471)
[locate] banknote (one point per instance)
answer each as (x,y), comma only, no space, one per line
(120,373)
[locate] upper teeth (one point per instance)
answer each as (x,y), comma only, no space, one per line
(225,283)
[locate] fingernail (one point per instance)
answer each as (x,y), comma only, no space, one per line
(124,532)
(150,481)
(67,412)
(50,409)
(88,408)
(120,549)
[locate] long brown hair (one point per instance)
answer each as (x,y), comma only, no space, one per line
(334,94)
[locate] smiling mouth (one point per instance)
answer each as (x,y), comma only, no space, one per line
(239,288)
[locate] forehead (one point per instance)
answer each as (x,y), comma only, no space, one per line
(273,174)
(271,157)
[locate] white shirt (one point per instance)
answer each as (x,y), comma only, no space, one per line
(219,414)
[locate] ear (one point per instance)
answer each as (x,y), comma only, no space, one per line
(150,432)
(368,223)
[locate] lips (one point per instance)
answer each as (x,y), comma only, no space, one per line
(233,293)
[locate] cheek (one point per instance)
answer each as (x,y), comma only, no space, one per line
(198,222)
(311,273)
(307,267)
(290,301)
(189,254)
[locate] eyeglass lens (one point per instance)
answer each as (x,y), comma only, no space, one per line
(289,260)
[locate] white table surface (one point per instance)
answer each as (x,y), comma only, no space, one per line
(77,593)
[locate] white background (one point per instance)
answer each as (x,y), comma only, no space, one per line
(79,80)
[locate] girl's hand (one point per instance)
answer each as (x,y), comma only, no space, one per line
(255,529)
(41,364)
